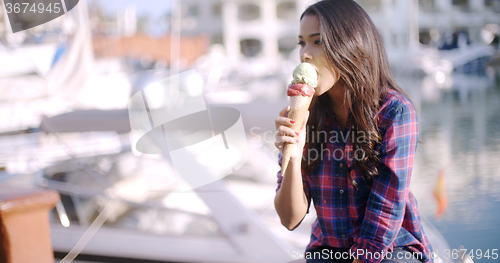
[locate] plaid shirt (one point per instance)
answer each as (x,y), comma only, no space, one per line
(374,219)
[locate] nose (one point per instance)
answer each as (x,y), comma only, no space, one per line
(305,54)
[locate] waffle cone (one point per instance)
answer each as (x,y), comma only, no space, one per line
(299,105)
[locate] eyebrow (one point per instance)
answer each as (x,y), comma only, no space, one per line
(311,35)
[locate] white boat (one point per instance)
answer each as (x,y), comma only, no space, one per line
(455,53)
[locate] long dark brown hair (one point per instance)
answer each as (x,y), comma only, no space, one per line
(355,50)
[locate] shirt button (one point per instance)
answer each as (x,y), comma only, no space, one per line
(341,191)
(343,236)
(341,165)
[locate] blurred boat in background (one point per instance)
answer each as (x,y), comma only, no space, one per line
(456,53)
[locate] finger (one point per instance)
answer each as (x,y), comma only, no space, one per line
(283,121)
(281,140)
(286,139)
(284,112)
(287,131)
(278,144)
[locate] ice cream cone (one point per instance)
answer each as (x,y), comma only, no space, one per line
(300,91)
(299,105)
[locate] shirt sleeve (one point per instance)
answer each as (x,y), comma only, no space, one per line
(385,206)
(305,182)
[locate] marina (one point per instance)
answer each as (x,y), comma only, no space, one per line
(68,127)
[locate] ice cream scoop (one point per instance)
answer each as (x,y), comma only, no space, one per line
(301,90)
(305,73)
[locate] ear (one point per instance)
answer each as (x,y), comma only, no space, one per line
(336,73)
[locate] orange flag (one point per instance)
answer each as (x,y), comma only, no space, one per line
(440,193)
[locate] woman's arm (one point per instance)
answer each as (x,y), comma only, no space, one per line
(290,201)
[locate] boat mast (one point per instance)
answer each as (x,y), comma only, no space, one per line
(414,25)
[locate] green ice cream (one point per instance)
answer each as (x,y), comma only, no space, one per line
(305,73)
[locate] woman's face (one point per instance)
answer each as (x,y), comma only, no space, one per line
(311,51)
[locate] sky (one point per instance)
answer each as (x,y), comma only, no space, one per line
(154,9)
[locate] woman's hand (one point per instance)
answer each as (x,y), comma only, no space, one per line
(285,134)
(357,261)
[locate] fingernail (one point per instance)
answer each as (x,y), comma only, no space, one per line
(297,133)
(292,122)
(296,140)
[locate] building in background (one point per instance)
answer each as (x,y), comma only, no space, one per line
(264,32)
(150,51)
(247,29)
(404,24)
(443,17)
(268,29)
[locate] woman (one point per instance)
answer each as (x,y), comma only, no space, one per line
(357,160)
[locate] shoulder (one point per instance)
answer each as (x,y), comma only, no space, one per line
(395,106)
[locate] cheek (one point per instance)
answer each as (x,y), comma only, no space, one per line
(325,82)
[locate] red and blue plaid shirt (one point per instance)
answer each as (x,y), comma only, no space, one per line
(376,218)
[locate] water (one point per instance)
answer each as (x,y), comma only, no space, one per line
(460,134)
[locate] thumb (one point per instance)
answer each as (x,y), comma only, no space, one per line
(305,122)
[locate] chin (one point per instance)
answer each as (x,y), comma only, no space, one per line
(318,91)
